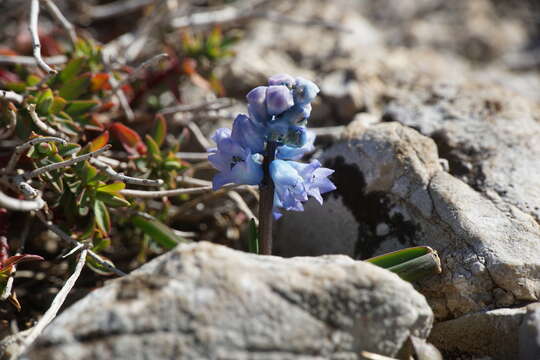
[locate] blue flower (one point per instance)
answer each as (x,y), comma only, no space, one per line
(315,178)
(290,191)
(282,79)
(236,163)
(304,91)
(287,152)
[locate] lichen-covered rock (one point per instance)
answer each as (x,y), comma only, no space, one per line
(205,301)
(393,193)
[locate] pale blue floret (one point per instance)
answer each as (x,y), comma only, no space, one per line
(279,113)
(236,163)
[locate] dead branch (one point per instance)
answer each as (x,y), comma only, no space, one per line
(58,165)
(138,71)
(43,126)
(19,150)
(36,45)
(57,14)
(124,178)
(15,204)
(163,193)
(29,60)
(11,96)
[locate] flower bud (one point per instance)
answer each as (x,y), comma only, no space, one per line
(278,99)
(282,79)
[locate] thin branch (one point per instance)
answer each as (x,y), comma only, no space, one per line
(47,129)
(193,181)
(243,206)
(11,96)
(28,191)
(57,303)
(19,150)
(196,131)
(58,165)
(162,193)
(122,99)
(55,229)
(192,155)
(216,104)
(12,124)
(15,204)
(29,60)
(7,289)
(36,46)
(232,14)
(57,14)
(138,71)
(121,177)
(119,7)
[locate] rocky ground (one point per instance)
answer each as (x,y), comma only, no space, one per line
(438,145)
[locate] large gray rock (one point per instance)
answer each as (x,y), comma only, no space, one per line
(393,193)
(529,334)
(205,301)
(493,333)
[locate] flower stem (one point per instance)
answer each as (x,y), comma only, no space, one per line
(266,202)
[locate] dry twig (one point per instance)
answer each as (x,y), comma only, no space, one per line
(50,314)
(43,126)
(15,204)
(11,96)
(58,165)
(121,177)
(55,229)
(163,193)
(19,150)
(216,104)
(36,45)
(29,60)
(57,14)
(196,131)
(137,72)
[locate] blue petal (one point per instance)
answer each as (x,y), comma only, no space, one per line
(278,99)
(257,104)
(304,91)
(247,134)
(282,79)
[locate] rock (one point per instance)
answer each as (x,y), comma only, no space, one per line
(343,93)
(529,334)
(205,301)
(491,333)
(390,174)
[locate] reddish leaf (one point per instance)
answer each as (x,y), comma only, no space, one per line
(13,260)
(4,247)
(7,52)
(106,106)
(189,66)
(131,141)
(100,81)
(100,141)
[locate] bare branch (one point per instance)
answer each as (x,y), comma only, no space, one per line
(196,131)
(121,177)
(119,7)
(57,14)
(43,126)
(66,163)
(12,123)
(193,181)
(216,104)
(36,45)
(28,191)
(239,200)
(122,99)
(20,205)
(55,229)
(19,150)
(137,72)
(11,96)
(29,60)
(58,301)
(192,155)
(162,193)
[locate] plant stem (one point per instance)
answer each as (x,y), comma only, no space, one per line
(266,202)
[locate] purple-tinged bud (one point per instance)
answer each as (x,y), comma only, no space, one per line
(278,99)
(282,79)
(257,104)
(304,91)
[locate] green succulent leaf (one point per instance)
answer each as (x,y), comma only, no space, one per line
(103,219)
(78,107)
(74,88)
(158,231)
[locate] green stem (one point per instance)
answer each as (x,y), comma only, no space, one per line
(266,202)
